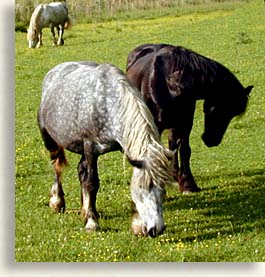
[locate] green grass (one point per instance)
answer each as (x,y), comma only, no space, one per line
(224,222)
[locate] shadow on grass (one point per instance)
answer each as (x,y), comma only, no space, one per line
(231,207)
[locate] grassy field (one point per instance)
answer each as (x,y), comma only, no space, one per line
(224,222)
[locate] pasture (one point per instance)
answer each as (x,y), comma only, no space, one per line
(223,222)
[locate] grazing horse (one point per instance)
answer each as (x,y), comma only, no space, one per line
(48,15)
(171,80)
(91,109)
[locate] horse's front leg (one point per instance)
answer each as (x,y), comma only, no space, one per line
(88,176)
(39,44)
(173,144)
(181,163)
(60,29)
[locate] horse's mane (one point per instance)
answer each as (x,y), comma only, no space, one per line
(34,20)
(207,71)
(203,69)
(141,139)
(195,61)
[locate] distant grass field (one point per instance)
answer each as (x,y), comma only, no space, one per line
(224,222)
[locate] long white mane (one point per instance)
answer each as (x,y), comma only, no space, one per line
(141,139)
(34,20)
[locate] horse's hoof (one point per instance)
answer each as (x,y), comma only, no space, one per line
(190,191)
(187,185)
(91,225)
(57,204)
(187,192)
(60,42)
(184,189)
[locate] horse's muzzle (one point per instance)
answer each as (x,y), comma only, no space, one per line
(154,232)
(211,141)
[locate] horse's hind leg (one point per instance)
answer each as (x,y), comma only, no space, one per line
(181,163)
(58,159)
(57,202)
(60,29)
(88,176)
(53,35)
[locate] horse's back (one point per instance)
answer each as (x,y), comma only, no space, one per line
(141,51)
(80,99)
(142,60)
(139,72)
(69,79)
(64,69)
(58,6)
(54,13)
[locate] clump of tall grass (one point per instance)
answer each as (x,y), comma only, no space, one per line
(99,10)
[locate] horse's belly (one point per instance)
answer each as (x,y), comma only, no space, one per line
(76,147)
(72,135)
(66,138)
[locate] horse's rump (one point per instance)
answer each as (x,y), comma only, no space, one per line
(141,51)
(54,14)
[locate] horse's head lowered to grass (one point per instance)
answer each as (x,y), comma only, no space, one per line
(219,111)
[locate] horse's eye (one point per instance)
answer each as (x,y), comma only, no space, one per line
(209,109)
(212,109)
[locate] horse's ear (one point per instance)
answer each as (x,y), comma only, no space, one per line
(173,84)
(248,89)
(137,163)
(170,154)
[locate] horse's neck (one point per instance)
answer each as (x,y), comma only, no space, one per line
(139,129)
(35,19)
(206,84)
(219,85)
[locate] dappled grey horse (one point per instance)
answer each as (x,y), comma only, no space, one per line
(91,109)
(48,15)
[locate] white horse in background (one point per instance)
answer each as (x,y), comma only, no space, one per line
(48,15)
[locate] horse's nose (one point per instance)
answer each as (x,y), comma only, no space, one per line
(156,230)
(211,141)
(152,232)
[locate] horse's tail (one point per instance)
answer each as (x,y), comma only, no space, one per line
(68,23)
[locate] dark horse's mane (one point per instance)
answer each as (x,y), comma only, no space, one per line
(188,59)
(195,69)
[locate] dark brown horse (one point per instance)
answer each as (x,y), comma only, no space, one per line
(171,80)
